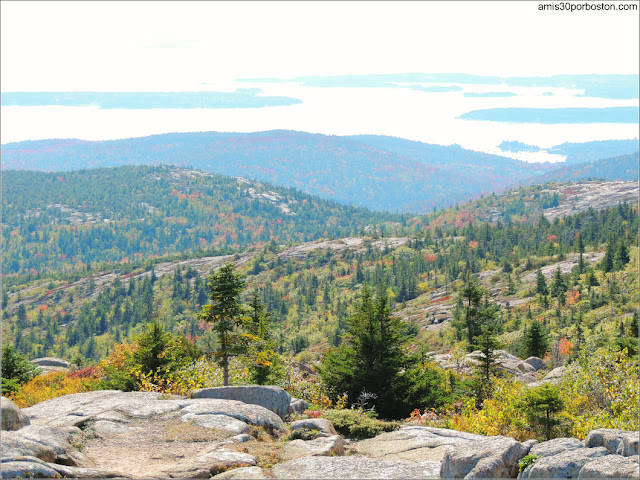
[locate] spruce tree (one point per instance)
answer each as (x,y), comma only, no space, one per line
(225,314)
(370,358)
(536,340)
(541,283)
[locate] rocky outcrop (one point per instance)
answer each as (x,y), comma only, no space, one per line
(329,445)
(525,371)
(267,396)
(495,457)
(12,416)
(118,408)
(611,466)
(554,377)
(353,467)
(616,441)
(210,463)
(143,435)
(413,443)
(566,464)
(50,362)
(244,473)
(555,446)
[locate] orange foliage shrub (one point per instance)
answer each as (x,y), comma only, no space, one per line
(55,384)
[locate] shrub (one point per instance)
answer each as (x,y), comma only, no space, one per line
(358,423)
(54,384)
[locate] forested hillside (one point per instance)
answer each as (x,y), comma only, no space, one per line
(531,272)
(70,221)
(624,167)
(380,173)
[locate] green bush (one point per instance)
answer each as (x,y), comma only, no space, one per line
(358,423)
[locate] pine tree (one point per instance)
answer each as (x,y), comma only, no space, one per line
(225,313)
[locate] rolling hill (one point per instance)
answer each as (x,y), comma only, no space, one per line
(379,173)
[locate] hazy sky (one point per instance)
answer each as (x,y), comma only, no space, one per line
(66,46)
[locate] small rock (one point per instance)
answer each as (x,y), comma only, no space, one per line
(243,472)
(320,424)
(611,466)
(12,417)
(297,405)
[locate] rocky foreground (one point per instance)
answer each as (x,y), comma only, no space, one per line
(242,432)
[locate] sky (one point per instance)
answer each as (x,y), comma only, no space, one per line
(194,46)
(119,46)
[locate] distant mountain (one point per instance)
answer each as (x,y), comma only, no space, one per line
(591,151)
(381,173)
(623,167)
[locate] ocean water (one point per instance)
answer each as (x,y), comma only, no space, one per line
(429,117)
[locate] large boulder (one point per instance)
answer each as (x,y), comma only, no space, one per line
(268,396)
(611,466)
(566,464)
(12,417)
(621,442)
(355,467)
(535,362)
(15,445)
(554,377)
(491,457)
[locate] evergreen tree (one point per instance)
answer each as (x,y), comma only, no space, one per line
(541,283)
(266,364)
(16,369)
(225,313)
(621,257)
(607,262)
(472,294)
(487,344)
(541,405)
(536,341)
(371,357)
